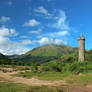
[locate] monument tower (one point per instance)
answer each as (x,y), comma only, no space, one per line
(81,48)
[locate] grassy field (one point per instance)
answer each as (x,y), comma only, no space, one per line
(73,83)
(72,80)
(75,73)
(12,87)
(44,75)
(80,79)
(69,78)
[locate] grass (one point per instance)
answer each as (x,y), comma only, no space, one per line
(72,81)
(82,78)
(13,87)
(47,89)
(44,75)
(76,81)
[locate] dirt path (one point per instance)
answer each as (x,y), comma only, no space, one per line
(31,81)
(37,82)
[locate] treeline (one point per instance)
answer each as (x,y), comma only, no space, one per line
(25,61)
(38,60)
(35,59)
(4,60)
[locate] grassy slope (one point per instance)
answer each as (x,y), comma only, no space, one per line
(4,59)
(51,50)
(46,53)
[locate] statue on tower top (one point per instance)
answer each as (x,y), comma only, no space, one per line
(81,35)
(82,38)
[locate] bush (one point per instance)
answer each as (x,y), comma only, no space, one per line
(52,66)
(80,67)
(75,67)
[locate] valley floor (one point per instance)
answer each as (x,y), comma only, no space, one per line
(31,81)
(8,78)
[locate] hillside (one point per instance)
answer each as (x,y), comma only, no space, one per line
(4,59)
(45,53)
(51,50)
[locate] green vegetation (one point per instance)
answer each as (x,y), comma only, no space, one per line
(56,70)
(63,67)
(4,59)
(12,87)
(50,62)
(44,75)
(84,79)
(51,50)
(45,53)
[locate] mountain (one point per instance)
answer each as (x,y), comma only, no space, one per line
(45,53)
(4,59)
(51,50)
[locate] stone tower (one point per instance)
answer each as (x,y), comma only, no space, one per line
(81,48)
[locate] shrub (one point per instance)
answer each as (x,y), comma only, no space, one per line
(80,67)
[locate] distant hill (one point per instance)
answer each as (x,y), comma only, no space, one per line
(51,50)
(46,53)
(4,59)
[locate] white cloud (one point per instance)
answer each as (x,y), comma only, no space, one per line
(13,32)
(4,31)
(62,33)
(29,42)
(23,36)
(39,36)
(58,41)
(61,21)
(4,19)
(62,29)
(3,40)
(35,31)
(56,34)
(7,46)
(46,40)
(10,47)
(42,10)
(31,23)
(26,42)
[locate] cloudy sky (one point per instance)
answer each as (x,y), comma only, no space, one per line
(26,24)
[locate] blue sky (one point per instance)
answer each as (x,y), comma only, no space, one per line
(26,24)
